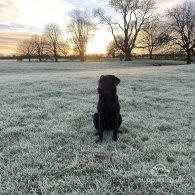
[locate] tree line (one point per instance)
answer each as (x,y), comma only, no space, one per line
(136,26)
(52,43)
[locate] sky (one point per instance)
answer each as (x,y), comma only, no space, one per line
(20,19)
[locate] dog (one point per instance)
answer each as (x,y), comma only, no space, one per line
(108,115)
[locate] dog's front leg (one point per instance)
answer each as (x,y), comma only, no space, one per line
(115,130)
(101,130)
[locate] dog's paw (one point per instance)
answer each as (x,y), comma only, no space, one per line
(115,138)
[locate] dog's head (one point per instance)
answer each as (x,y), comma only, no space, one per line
(107,86)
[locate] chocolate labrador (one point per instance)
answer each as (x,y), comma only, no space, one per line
(108,109)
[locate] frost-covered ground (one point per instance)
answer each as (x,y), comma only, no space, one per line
(47,136)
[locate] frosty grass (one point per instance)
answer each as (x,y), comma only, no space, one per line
(47,135)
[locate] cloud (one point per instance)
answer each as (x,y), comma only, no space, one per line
(167,4)
(9,40)
(90,2)
(20,19)
(34,12)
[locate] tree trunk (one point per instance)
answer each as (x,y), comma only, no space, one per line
(150,52)
(188,57)
(82,56)
(40,59)
(128,55)
(126,47)
(40,55)
(55,56)
(55,52)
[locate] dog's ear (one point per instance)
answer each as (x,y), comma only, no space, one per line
(101,77)
(115,80)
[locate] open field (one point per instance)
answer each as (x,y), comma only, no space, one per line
(47,136)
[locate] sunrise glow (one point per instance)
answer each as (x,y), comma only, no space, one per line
(21,19)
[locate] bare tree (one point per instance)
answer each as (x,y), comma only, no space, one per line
(25,49)
(113,50)
(82,29)
(182,27)
(64,48)
(152,36)
(53,39)
(38,46)
(134,14)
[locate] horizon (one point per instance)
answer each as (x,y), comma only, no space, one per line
(18,20)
